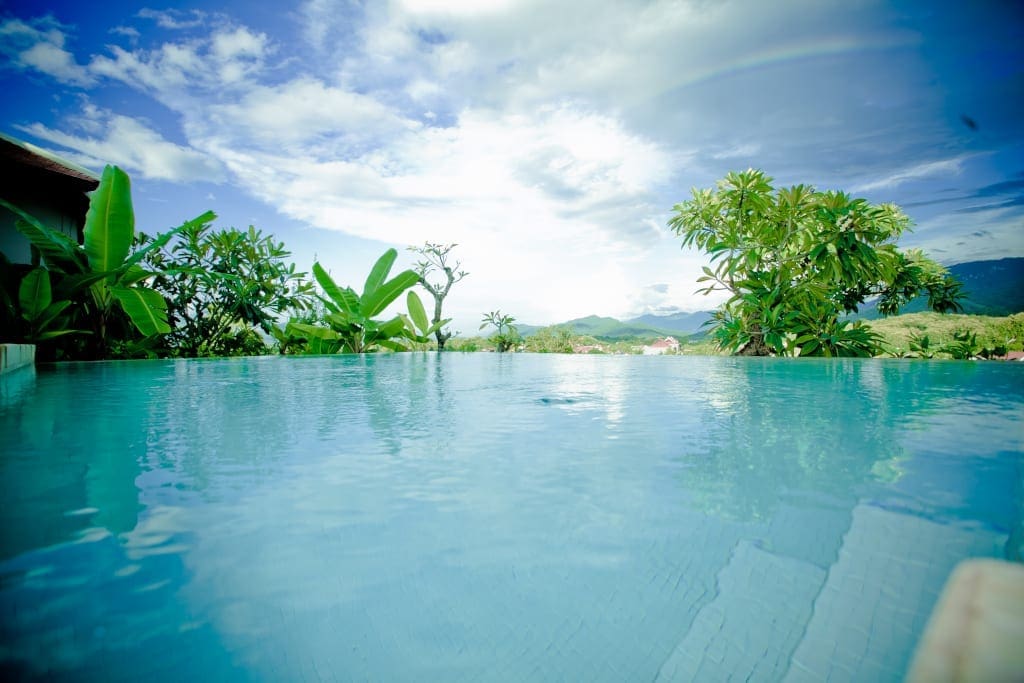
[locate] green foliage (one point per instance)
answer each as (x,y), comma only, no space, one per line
(102,280)
(506,335)
(554,339)
(921,346)
(224,285)
(349,324)
(109,223)
(964,345)
(466,344)
(35,317)
(795,260)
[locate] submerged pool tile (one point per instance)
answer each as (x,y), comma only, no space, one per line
(752,626)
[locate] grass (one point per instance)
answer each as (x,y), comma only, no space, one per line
(991,331)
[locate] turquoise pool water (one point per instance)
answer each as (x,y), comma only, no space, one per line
(488,517)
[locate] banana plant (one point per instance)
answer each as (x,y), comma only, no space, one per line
(350,317)
(28,311)
(104,273)
(418,327)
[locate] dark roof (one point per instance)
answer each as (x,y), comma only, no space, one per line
(23,153)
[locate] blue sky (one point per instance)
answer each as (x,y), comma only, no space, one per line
(548,139)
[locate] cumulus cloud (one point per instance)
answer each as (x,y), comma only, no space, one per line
(517,193)
(39,45)
(131,144)
(304,111)
(228,58)
(173,19)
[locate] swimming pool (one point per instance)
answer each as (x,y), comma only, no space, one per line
(495,517)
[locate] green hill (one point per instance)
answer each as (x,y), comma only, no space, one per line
(609,329)
(681,322)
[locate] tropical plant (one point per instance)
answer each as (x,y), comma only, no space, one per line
(964,346)
(28,312)
(224,285)
(506,336)
(921,346)
(434,258)
(103,277)
(349,317)
(796,260)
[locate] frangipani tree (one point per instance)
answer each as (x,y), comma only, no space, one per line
(506,336)
(435,259)
(796,260)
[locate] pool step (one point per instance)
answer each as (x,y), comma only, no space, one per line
(750,629)
(861,628)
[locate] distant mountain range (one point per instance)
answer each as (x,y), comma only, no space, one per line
(646,326)
(993,288)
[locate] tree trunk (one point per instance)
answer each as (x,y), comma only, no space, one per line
(439,334)
(756,345)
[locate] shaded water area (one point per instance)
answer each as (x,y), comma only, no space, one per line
(495,517)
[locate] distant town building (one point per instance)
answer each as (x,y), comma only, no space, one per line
(661,346)
(587,348)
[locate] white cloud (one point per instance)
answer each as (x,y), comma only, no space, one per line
(956,237)
(129,143)
(240,43)
(930,169)
(738,151)
(303,111)
(226,59)
(131,33)
(174,19)
(455,7)
(39,45)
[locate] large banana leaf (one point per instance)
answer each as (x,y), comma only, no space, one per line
(70,285)
(381,297)
(345,298)
(392,345)
(51,312)
(436,326)
(343,322)
(312,331)
(34,294)
(135,273)
(110,222)
(417,312)
(146,308)
(379,272)
(389,329)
